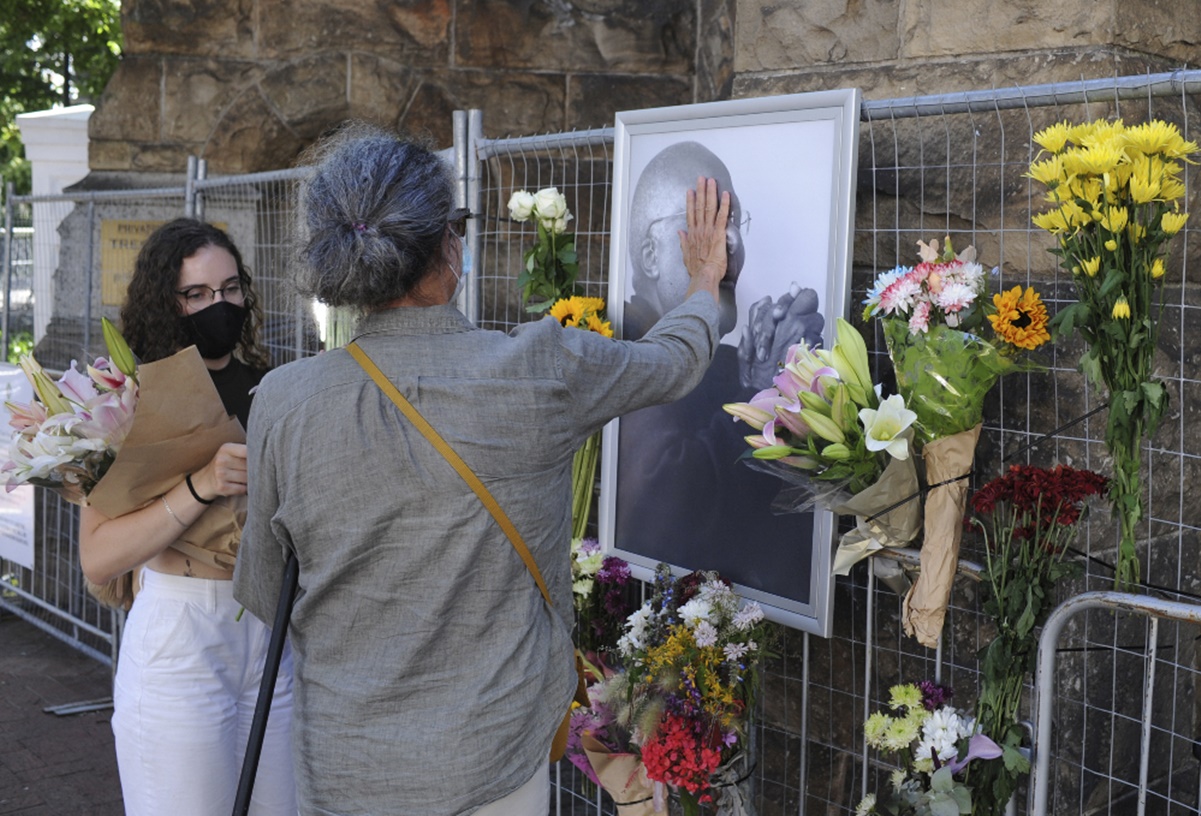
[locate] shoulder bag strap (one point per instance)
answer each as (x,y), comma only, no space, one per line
(455,461)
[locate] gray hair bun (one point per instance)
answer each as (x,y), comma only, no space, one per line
(371,216)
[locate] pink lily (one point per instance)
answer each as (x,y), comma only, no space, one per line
(75,386)
(105,376)
(26,415)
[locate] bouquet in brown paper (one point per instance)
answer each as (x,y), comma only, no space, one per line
(123,434)
(825,431)
(931,314)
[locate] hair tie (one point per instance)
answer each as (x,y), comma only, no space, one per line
(359,226)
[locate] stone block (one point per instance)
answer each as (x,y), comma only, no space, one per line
(655,36)
(216,28)
(159,157)
(380,87)
(128,110)
(251,137)
(937,28)
(197,91)
(771,36)
(108,154)
(594,100)
(309,93)
(1158,27)
(417,32)
(513,103)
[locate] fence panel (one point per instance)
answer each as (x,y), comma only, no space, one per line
(930,167)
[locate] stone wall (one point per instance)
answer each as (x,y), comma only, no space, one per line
(247,85)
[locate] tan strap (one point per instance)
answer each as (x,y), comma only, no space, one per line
(455,461)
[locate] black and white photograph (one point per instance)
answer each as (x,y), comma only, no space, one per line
(673,488)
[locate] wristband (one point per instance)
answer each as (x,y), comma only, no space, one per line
(196,495)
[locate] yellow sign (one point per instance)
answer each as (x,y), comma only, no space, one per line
(120,242)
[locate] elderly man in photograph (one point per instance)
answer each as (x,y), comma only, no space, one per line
(680,487)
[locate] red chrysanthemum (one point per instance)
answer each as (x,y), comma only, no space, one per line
(679,756)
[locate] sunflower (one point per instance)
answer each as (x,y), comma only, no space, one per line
(599,326)
(1021,318)
(568,311)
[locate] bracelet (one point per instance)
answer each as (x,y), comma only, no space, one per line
(196,495)
(171,512)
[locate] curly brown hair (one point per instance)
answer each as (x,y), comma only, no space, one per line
(150,315)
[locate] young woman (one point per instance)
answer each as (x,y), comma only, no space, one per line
(189,669)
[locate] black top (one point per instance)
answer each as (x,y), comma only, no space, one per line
(234,383)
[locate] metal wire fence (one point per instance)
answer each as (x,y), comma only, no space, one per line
(928,167)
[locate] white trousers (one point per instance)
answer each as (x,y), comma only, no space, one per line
(531,799)
(186,685)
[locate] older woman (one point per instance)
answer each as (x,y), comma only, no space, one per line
(431,674)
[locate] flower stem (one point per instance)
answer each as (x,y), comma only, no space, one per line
(583,484)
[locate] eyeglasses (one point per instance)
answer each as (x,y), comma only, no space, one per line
(743,226)
(457,221)
(201,294)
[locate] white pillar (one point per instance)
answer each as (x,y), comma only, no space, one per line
(56,144)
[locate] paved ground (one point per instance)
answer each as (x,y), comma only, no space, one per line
(53,765)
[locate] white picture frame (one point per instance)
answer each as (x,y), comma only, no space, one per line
(791,162)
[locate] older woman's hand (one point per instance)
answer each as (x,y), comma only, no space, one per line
(704,243)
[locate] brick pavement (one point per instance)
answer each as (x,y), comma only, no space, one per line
(52,765)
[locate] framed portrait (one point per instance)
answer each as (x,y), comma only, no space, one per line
(672,487)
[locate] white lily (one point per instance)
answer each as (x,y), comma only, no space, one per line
(884,428)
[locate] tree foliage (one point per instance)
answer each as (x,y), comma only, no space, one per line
(52,53)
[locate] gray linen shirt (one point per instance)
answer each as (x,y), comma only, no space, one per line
(431,675)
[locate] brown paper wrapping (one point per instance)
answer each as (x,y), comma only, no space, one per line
(623,776)
(925,606)
(178,425)
(875,529)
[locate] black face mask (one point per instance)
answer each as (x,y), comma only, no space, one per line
(215,329)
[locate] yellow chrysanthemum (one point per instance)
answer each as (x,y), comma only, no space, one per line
(1171,189)
(1049,172)
(1091,266)
(1053,138)
(1157,269)
(1137,233)
(1054,222)
(1121,308)
(1159,137)
(1087,188)
(1096,160)
(1146,182)
(1100,131)
(1111,245)
(1021,317)
(1172,223)
(568,311)
(1115,219)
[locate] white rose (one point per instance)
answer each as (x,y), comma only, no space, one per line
(550,203)
(521,205)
